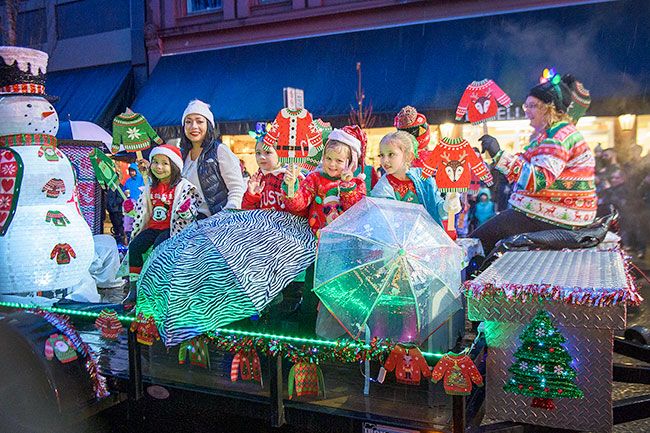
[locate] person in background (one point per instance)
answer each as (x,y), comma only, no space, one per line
(483,209)
(114,208)
(128,209)
(553,178)
(134,183)
(208,163)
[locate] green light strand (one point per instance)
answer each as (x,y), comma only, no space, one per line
(122,318)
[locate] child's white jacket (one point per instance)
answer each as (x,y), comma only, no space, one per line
(179,220)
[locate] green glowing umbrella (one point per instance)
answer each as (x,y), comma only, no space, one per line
(388,264)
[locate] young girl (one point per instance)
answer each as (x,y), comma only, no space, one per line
(163,209)
(265,187)
(330,190)
(397,151)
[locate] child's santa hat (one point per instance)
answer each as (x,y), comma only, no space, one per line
(171,152)
(353,136)
(409,120)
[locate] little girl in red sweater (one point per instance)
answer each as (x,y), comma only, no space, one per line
(331,189)
(164,208)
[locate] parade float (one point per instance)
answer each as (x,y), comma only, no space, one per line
(388,275)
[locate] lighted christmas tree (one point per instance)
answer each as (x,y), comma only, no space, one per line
(543,366)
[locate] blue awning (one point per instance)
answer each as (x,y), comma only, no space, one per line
(605,45)
(92,94)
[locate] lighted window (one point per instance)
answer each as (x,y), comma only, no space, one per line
(194,6)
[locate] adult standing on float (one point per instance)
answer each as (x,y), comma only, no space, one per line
(553,178)
(208,163)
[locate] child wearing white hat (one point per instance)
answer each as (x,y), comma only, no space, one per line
(163,209)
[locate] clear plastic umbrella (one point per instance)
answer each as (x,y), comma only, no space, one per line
(388,264)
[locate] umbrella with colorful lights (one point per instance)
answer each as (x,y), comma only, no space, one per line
(387,264)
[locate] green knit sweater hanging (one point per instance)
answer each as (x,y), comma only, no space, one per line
(134,132)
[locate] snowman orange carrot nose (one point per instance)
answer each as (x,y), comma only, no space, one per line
(46,113)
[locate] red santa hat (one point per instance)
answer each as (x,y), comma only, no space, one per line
(171,152)
(408,119)
(353,136)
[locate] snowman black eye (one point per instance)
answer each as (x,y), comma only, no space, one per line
(29,105)
(51,108)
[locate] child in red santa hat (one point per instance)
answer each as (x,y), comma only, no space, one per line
(164,208)
(332,188)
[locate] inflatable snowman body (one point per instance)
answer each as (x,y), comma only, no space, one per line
(45,243)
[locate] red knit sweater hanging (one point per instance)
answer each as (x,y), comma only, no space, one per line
(452,160)
(480,100)
(292,134)
(459,372)
(409,365)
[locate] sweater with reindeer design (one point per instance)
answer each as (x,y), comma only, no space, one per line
(453,160)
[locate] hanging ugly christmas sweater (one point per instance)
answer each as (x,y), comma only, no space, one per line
(459,372)
(307,378)
(146,330)
(409,365)
(134,132)
(109,324)
(452,160)
(247,364)
(324,198)
(292,134)
(198,351)
(553,177)
(479,101)
(61,347)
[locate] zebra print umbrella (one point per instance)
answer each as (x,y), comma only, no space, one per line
(222,269)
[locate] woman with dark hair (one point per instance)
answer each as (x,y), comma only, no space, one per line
(208,163)
(553,178)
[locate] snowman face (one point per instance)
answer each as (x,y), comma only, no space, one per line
(27,115)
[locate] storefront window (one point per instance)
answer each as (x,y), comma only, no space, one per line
(643,133)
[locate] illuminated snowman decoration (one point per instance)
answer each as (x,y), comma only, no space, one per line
(45,243)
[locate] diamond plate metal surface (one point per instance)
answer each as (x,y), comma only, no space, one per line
(591,350)
(499,308)
(578,268)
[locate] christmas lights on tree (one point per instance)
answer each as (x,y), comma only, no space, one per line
(543,366)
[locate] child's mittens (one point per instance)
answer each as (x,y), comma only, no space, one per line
(185,209)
